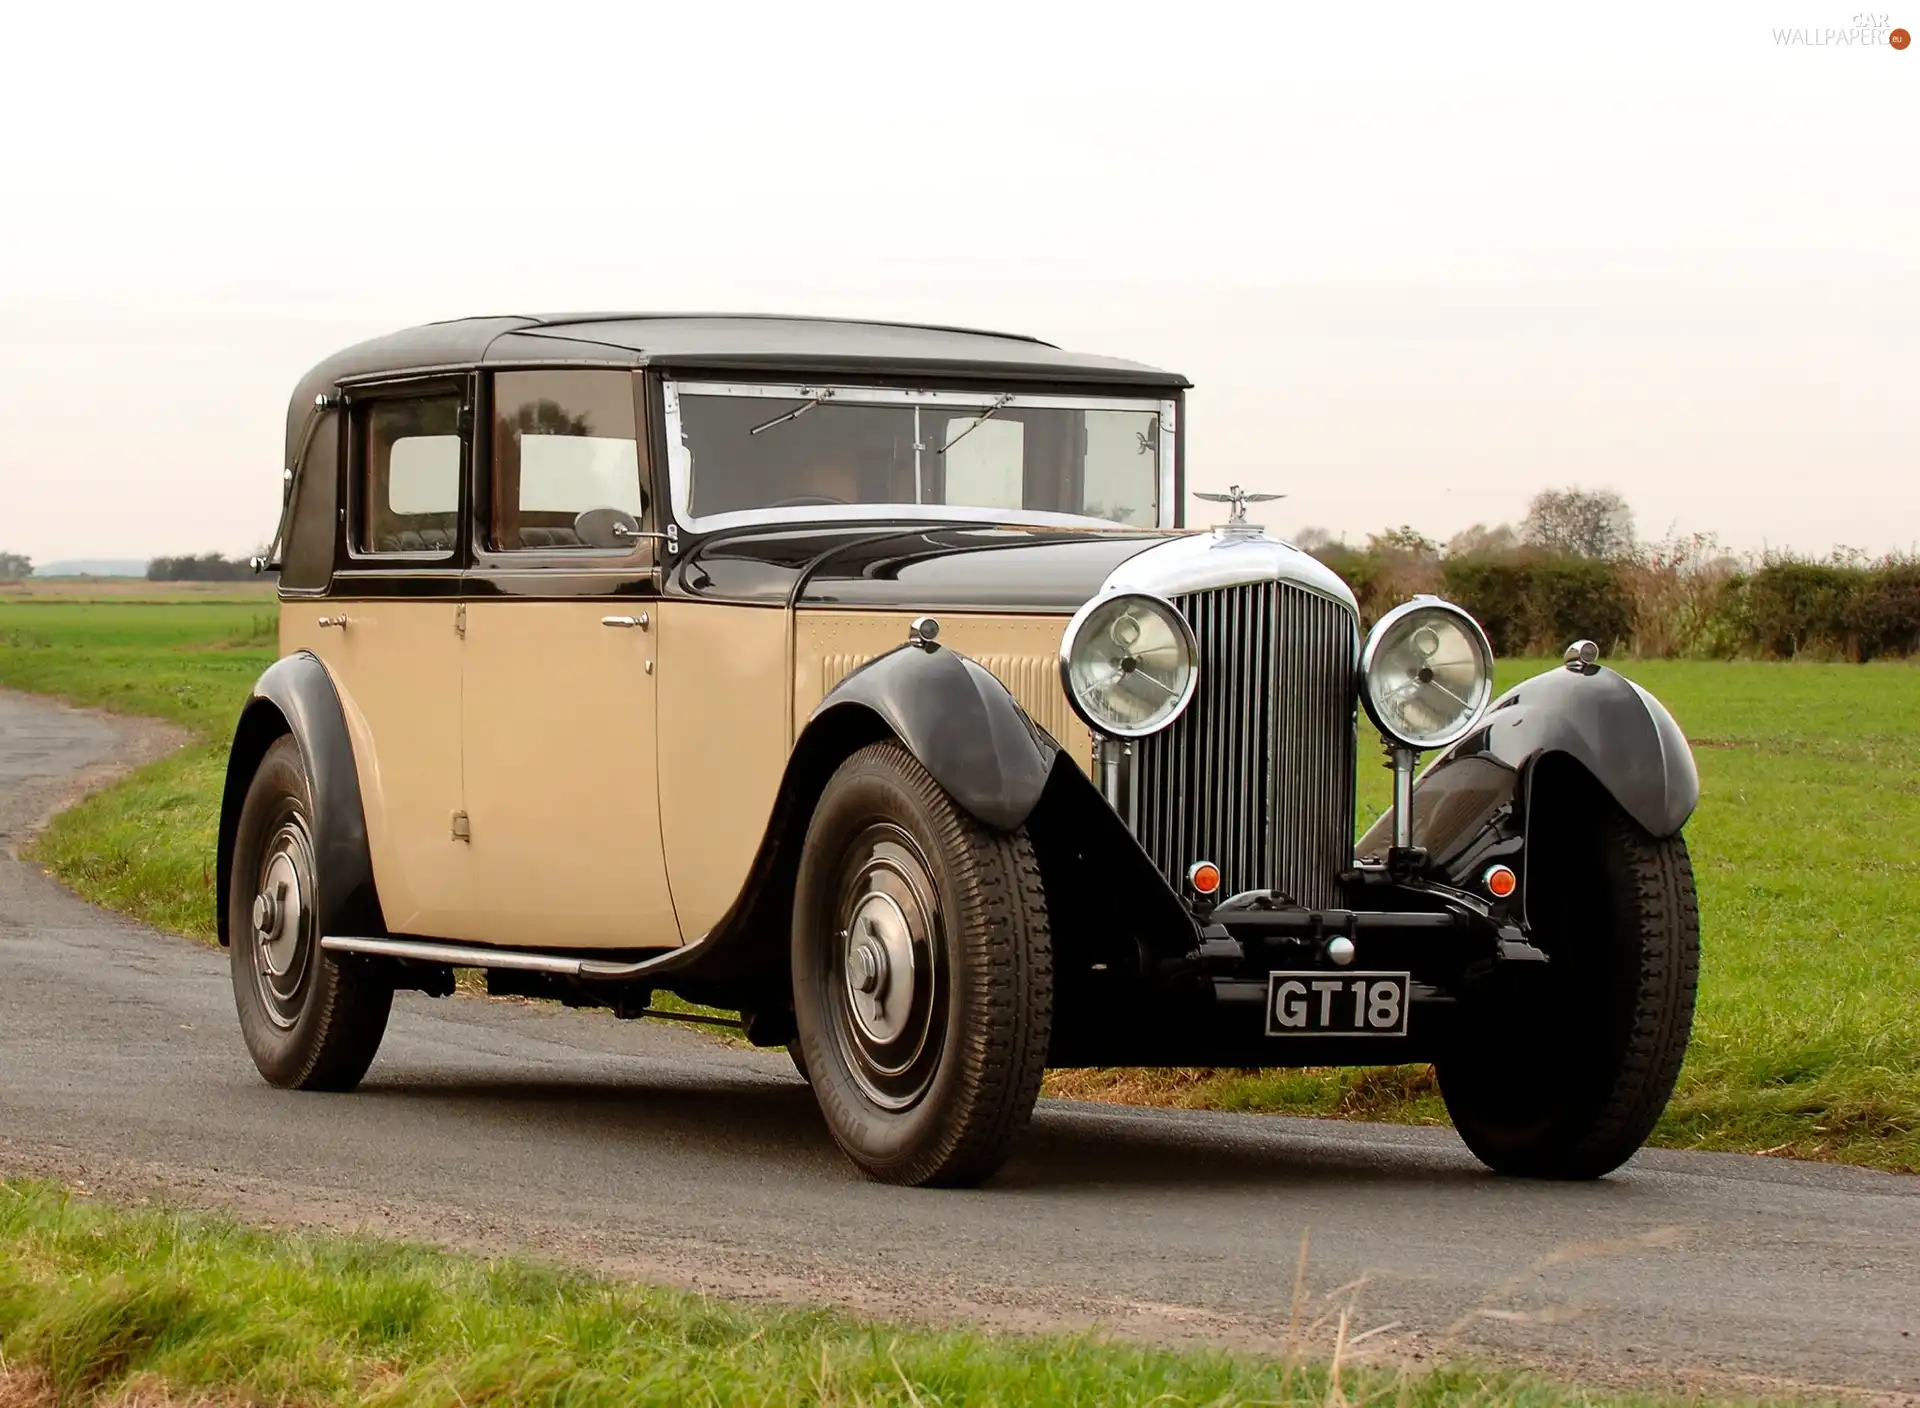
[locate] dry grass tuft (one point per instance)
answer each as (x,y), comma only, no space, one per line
(27,1388)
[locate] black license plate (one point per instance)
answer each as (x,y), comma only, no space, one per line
(1323,1003)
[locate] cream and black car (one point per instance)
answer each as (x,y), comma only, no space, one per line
(864,680)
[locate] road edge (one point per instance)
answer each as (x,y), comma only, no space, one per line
(139,739)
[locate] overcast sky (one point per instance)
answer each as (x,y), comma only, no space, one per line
(1418,264)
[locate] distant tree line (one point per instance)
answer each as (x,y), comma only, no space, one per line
(206,567)
(14,567)
(1574,567)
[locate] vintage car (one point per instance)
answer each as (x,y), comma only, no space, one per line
(864,680)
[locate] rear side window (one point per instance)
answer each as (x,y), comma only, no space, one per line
(409,476)
(563,443)
(306,560)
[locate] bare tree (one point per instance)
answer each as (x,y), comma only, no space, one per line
(15,566)
(1482,541)
(1405,541)
(1581,522)
(1312,539)
(1397,563)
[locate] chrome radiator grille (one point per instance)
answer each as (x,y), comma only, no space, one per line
(1257,775)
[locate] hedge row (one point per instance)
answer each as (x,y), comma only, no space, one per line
(1811,608)
(1653,605)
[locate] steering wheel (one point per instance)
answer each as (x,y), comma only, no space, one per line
(807,501)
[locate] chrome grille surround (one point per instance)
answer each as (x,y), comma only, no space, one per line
(1258,774)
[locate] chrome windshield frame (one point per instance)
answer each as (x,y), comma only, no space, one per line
(680,466)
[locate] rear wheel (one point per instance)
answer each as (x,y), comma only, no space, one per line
(922,974)
(311,1021)
(1563,1072)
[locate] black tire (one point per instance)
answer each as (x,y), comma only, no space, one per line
(930,1078)
(799,1055)
(311,1021)
(1563,1073)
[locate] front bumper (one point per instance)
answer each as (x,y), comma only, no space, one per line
(1210,1007)
(1143,978)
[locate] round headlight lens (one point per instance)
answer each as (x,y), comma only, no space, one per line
(1129,663)
(1427,673)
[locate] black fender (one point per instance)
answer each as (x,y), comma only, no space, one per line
(296,696)
(952,714)
(1472,805)
(963,725)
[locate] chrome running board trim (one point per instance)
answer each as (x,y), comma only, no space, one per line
(462,956)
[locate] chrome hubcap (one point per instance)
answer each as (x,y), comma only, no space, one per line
(283,922)
(887,985)
(880,976)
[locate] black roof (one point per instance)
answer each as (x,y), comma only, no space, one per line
(757,343)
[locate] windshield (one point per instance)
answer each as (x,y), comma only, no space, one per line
(742,448)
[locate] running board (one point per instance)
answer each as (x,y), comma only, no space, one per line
(463,956)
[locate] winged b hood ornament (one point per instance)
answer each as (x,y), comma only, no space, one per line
(1239,498)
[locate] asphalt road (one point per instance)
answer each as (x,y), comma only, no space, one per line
(655,1151)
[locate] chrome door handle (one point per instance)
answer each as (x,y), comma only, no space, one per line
(627,623)
(326,621)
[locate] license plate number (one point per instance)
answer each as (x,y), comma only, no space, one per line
(1319,1003)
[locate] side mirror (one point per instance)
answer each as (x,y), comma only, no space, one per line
(607,528)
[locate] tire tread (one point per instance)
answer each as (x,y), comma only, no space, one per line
(1658,876)
(1002,926)
(1606,1111)
(333,1045)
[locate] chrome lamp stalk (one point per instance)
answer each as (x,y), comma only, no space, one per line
(1113,768)
(1401,759)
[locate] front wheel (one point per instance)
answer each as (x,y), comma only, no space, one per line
(311,1021)
(922,975)
(1564,1072)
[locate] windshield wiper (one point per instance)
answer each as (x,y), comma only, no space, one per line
(978,421)
(794,414)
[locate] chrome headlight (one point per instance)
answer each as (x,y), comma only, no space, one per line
(1427,673)
(1129,664)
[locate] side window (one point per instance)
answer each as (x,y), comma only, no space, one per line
(409,476)
(564,443)
(306,558)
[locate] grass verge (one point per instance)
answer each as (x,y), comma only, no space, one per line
(148,1306)
(1807,1038)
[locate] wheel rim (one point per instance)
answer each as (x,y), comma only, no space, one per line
(282,922)
(886,980)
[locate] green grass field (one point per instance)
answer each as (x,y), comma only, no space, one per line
(1807,1040)
(151,1307)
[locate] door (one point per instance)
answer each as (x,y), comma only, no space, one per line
(558,704)
(387,634)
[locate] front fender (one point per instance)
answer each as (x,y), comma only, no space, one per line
(959,721)
(296,695)
(952,714)
(1470,806)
